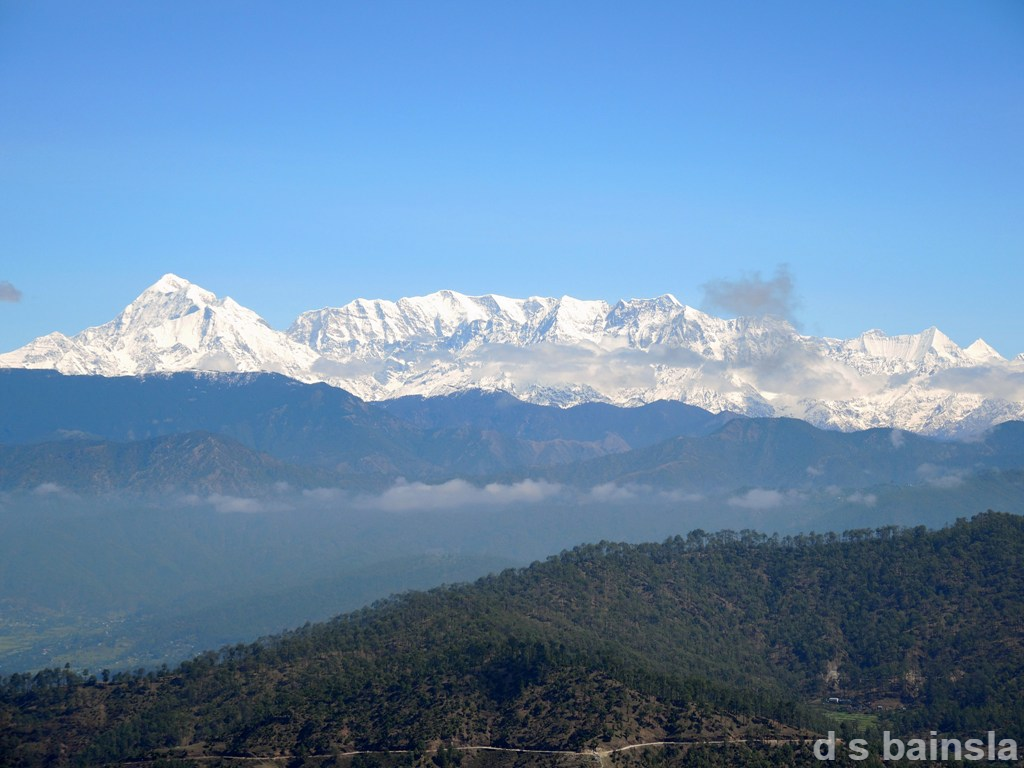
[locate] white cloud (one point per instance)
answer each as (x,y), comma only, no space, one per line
(759,498)
(236,504)
(867,499)
(8,292)
(324,494)
(559,365)
(613,492)
(940,477)
(752,295)
(1000,381)
(47,489)
(404,496)
(221,362)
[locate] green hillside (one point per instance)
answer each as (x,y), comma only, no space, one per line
(700,639)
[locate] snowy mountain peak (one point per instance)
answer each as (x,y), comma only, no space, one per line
(173,325)
(669,300)
(940,342)
(980,351)
(169,283)
(907,348)
(170,294)
(555,350)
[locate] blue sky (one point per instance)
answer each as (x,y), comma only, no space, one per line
(299,155)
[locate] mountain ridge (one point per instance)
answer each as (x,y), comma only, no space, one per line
(317,436)
(323,427)
(561,351)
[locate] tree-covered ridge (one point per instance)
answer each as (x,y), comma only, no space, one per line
(702,637)
(320,435)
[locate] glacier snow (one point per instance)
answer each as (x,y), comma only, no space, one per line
(560,351)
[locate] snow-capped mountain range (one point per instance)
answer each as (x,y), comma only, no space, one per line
(559,351)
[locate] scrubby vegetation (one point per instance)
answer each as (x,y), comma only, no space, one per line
(702,638)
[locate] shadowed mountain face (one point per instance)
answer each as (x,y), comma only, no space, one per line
(270,411)
(256,431)
(305,423)
(198,462)
(589,422)
(786,453)
(464,435)
(701,639)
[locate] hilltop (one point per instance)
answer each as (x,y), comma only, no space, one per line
(699,639)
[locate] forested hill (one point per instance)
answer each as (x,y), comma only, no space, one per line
(701,638)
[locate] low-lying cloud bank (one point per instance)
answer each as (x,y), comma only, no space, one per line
(765,498)
(404,496)
(1006,381)
(613,492)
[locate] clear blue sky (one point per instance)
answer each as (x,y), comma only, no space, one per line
(298,155)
